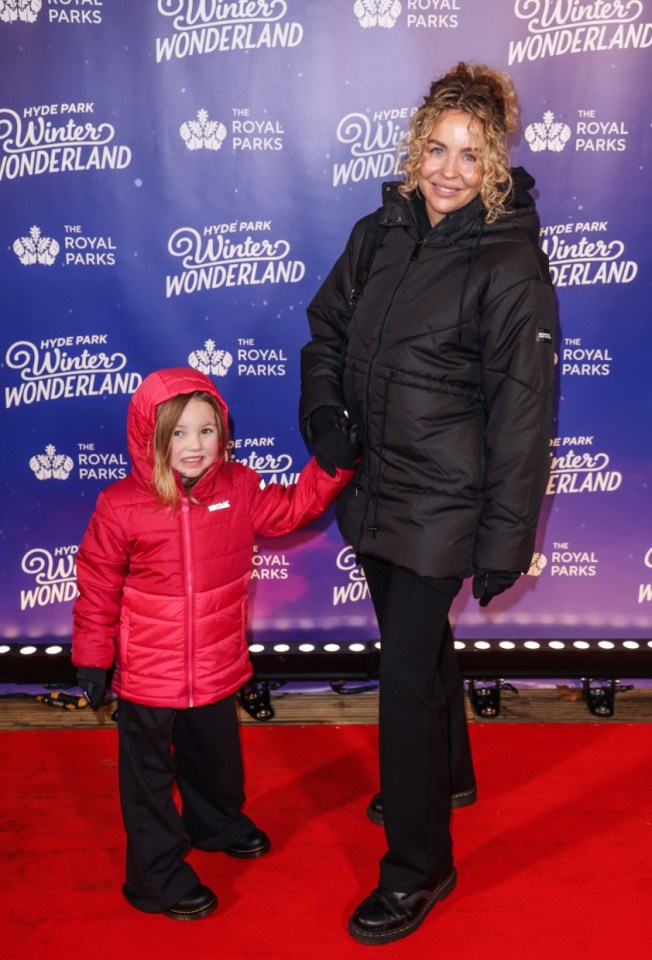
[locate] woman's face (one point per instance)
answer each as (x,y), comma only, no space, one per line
(450,174)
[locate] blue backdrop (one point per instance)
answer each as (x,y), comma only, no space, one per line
(177,178)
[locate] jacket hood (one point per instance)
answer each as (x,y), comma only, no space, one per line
(468,221)
(155,389)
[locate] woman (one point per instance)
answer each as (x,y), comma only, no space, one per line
(434,332)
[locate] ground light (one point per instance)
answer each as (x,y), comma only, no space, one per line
(486,665)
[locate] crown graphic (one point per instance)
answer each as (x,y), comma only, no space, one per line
(202,133)
(51,465)
(377,13)
(36,249)
(537,565)
(25,10)
(211,360)
(549,135)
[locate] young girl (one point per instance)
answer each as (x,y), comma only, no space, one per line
(162,571)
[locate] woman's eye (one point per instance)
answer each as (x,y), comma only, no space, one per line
(208,430)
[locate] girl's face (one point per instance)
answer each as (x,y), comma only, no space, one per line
(195,442)
(450,174)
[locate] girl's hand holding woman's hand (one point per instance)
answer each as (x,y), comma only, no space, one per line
(335,440)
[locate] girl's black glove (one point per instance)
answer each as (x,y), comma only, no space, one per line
(487,584)
(92,680)
(334,439)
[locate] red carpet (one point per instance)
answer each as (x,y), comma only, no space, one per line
(554,861)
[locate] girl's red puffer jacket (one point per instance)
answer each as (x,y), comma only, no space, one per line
(163,593)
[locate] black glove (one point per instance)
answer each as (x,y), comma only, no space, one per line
(335,439)
(92,680)
(487,584)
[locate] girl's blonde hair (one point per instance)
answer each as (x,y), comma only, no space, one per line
(168,415)
(489,98)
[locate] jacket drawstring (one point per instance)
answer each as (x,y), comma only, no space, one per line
(470,261)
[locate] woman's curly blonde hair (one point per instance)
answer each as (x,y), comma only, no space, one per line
(489,98)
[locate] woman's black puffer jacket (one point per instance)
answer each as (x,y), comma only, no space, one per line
(446,364)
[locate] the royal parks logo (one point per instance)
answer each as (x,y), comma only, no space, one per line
(23,11)
(211,360)
(67,12)
(91,463)
(414,14)
(36,249)
(202,133)
(269,565)
(547,134)
(377,13)
(578,359)
(567,561)
(51,465)
(80,249)
(538,564)
(248,132)
(592,134)
(251,359)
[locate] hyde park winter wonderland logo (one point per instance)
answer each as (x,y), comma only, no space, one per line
(54,576)
(576,469)
(373,143)
(580,254)
(356,587)
(49,370)
(273,467)
(214,259)
(54,138)
(559,27)
(209,26)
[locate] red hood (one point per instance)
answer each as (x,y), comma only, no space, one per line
(156,388)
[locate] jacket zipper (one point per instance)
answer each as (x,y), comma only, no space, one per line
(414,256)
(190,597)
(373,528)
